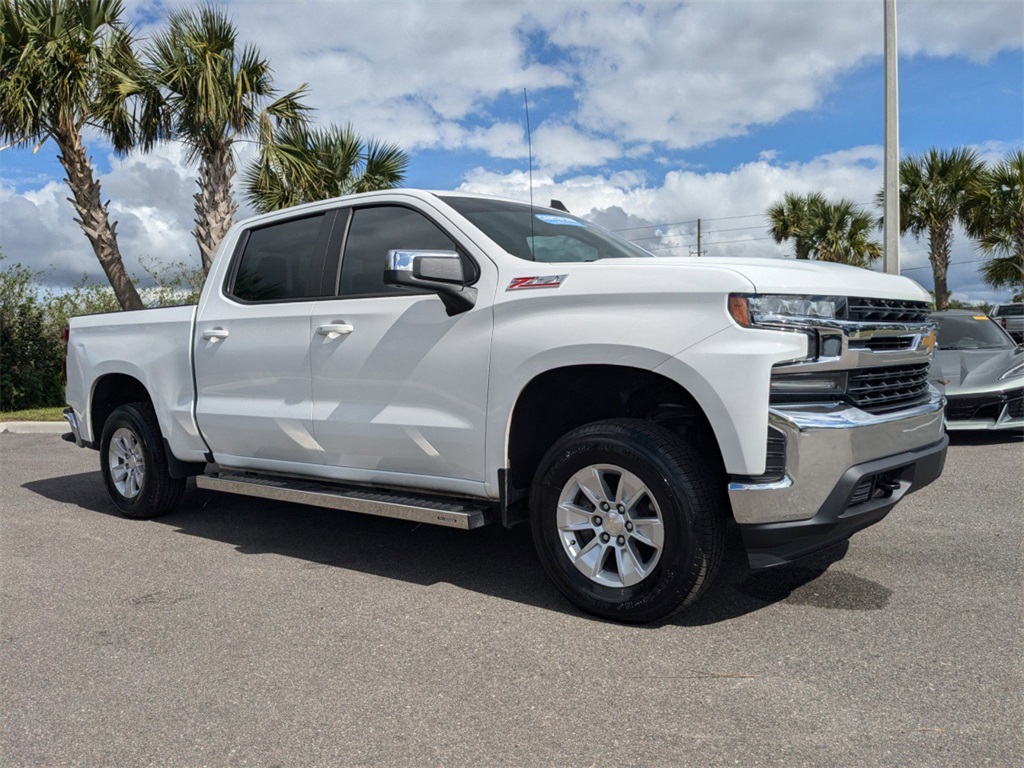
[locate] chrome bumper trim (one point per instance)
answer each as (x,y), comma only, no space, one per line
(822,443)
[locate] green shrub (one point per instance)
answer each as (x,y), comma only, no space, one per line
(30,352)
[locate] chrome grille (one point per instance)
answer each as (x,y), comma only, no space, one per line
(887,311)
(884,343)
(888,388)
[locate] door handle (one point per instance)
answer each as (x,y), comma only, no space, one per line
(215,334)
(334,330)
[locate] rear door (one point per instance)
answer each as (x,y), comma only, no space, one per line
(254,400)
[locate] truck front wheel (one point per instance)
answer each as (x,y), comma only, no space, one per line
(134,463)
(627,521)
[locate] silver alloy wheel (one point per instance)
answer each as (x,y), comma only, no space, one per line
(610,525)
(127,463)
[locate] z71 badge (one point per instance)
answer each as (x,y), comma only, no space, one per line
(541,281)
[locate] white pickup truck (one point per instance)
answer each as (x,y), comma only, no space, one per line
(462,360)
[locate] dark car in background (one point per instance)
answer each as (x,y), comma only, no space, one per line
(983,370)
(1010,318)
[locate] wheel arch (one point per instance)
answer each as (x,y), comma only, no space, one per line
(561,399)
(110,391)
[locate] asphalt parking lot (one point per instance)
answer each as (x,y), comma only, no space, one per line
(239,632)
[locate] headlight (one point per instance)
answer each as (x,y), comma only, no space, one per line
(751,311)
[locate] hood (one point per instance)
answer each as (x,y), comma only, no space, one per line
(790,276)
(974,370)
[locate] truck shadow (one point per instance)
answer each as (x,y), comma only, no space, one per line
(492,560)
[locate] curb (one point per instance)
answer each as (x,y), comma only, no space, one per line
(34,427)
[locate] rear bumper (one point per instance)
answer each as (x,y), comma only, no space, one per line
(75,435)
(843,470)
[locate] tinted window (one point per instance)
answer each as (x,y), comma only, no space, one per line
(277,261)
(374,232)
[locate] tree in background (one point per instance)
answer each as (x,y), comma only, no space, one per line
(790,218)
(934,190)
(825,230)
(218,94)
(58,65)
(322,163)
(30,355)
(994,216)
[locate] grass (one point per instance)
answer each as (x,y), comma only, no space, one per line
(34,414)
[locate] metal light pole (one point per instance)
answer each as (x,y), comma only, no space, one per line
(891,214)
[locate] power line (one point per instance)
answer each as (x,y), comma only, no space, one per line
(656,226)
(741,240)
(952,264)
(733,229)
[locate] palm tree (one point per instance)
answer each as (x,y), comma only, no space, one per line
(933,193)
(217,95)
(994,216)
(789,220)
(824,230)
(342,163)
(840,232)
(57,65)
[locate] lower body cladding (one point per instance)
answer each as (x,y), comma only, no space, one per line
(843,470)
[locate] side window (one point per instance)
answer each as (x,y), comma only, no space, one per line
(374,232)
(277,261)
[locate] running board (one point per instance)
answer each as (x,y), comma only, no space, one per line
(435,510)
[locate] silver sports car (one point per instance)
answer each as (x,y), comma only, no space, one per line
(983,369)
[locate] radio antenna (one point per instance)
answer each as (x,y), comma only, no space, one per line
(529,145)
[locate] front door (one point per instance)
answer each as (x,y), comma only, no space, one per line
(399,387)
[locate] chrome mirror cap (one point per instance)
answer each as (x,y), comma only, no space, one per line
(403,261)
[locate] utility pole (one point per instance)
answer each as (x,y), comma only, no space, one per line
(891,214)
(699,251)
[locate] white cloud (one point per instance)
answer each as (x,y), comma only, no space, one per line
(150,199)
(677,74)
(559,147)
(977,30)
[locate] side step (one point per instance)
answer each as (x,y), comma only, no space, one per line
(435,510)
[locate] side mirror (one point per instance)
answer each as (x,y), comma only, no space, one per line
(438,271)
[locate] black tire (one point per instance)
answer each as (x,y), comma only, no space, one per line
(134,463)
(645,583)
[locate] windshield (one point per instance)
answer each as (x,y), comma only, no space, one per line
(541,234)
(970,332)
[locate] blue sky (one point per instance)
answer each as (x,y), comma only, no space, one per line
(643,115)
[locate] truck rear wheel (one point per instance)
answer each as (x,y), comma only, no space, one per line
(627,521)
(134,463)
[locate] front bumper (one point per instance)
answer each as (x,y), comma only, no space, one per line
(992,410)
(844,470)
